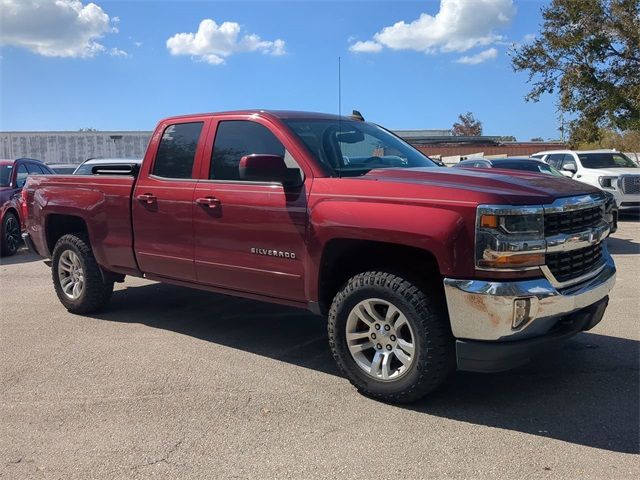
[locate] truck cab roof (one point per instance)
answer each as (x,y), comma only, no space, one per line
(280,114)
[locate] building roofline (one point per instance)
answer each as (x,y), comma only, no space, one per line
(97,132)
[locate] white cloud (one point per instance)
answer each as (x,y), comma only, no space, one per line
(483,56)
(460,25)
(366,47)
(212,43)
(116,52)
(55,28)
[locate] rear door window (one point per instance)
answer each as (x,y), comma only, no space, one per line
(177,150)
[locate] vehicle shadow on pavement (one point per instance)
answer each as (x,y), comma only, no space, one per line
(21,256)
(279,332)
(586,393)
(622,246)
(629,215)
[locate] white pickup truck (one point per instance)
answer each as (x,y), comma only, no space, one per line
(609,170)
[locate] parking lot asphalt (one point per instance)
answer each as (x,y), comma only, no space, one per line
(175,383)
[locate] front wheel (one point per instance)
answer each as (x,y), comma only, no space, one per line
(77,277)
(390,338)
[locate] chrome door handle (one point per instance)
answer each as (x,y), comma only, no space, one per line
(209,202)
(147,198)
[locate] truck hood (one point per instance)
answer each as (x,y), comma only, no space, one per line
(614,172)
(505,186)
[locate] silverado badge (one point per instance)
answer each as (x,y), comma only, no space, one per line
(273,253)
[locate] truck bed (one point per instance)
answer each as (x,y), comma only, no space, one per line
(102,201)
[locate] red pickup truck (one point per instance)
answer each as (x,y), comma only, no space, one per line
(419,268)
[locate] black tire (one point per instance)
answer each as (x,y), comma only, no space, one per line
(11,238)
(434,353)
(96,293)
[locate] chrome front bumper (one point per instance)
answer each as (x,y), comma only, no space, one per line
(483,310)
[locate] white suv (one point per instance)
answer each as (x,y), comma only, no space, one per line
(609,170)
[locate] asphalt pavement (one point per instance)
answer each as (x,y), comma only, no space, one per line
(176,383)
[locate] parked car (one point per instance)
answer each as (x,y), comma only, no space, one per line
(87,167)
(62,168)
(13,174)
(420,269)
(511,163)
(534,165)
(609,170)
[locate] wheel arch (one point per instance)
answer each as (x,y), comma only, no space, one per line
(57,225)
(342,258)
(14,210)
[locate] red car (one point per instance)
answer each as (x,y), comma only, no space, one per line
(13,175)
(420,269)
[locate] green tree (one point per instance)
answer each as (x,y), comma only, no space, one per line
(467,125)
(589,52)
(628,141)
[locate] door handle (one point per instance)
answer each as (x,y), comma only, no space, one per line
(209,202)
(147,198)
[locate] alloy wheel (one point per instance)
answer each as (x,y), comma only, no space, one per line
(380,339)
(71,274)
(12,233)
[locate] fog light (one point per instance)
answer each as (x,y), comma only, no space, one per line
(521,309)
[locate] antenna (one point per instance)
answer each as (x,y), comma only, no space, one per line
(339,88)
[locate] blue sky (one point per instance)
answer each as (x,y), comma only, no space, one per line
(120,73)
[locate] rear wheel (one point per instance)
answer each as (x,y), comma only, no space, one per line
(10,235)
(76,276)
(390,338)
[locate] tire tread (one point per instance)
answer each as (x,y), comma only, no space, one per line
(434,367)
(97,293)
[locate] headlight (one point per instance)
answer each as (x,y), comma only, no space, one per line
(607,182)
(513,223)
(509,238)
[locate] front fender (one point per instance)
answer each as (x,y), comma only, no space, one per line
(441,231)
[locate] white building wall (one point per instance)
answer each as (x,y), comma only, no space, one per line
(73,147)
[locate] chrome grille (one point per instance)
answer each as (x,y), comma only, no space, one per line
(566,266)
(630,184)
(572,221)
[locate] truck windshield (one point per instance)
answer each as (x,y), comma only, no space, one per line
(5,175)
(350,148)
(606,160)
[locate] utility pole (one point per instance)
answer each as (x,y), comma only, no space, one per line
(339,88)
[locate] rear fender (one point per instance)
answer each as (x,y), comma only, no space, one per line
(103,205)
